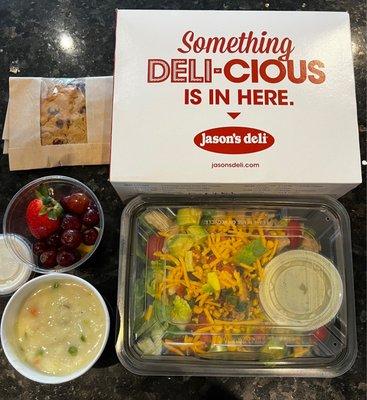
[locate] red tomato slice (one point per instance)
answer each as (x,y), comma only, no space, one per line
(294,233)
(229,268)
(155,243)
(202,319)
(260,339)
(207,339)
(212,258)
(181,290)
(321,334)
(220,266)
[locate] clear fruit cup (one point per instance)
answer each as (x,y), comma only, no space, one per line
(15,224)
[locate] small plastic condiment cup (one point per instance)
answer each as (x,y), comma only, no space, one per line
(13,272)
(9,319)
(301,290)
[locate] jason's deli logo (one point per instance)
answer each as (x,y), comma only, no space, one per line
(234,140)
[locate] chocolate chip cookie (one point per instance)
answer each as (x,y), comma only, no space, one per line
(63,113)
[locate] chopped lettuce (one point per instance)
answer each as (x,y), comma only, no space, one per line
(157,336)
(188,216)
(151,283)
(212,285)
(241,306)
(149,346)
(213,281)
(189,262)
(206,288)
(207,217)
(149,334)
(154,276)
(198,233)
(230,297)
(180,311)
(179,245)
(158,264)
(140,253)
(250,253)
(172,332)
(161,311)
(141,326)
(145,226)
(139,295)
(212,217)
(273,350)
(159,317)
(158,220)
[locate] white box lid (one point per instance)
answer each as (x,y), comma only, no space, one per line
(153,131)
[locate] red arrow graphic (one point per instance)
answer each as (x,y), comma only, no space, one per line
(233,115)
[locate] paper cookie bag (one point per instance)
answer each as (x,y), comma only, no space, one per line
(54,122)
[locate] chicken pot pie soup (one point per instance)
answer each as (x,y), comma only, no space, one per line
(60,327)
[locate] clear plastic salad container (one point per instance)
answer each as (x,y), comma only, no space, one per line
(236,286)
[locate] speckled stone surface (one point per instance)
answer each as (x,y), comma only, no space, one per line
(30,33)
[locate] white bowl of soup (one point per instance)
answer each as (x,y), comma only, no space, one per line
(54,328)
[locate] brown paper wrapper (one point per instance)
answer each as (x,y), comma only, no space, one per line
(68,107)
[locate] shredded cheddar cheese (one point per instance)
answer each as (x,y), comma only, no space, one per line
(173,349)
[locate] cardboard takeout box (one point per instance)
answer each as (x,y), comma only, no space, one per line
(234,101)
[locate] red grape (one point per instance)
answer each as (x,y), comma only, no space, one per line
(71,222)
(76,203)
(39,247)
(67,257)
(93,205)
(91,217)
(90,236)
(48,259)
(54,240)
(71,238)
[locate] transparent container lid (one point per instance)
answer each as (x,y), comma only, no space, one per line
(301,289)
(13,272)
(236,286)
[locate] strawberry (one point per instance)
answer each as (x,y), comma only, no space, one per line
(43,214)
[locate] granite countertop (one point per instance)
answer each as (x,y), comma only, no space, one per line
(31,45)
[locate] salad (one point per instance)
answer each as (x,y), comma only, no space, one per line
(199,293)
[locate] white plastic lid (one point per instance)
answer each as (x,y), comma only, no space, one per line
(13,272)
(301,289)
